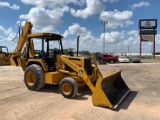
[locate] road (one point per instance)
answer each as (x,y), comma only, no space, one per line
(143,102)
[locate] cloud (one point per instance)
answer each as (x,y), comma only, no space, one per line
(92,7)
(75,29)
(114,40)
(87,40)
(46,15)
(6,34)
(113,37)
(119,41)
(49,13)
(132,32)
(52,3)
(6,4)
(157,40)
(4,31)
(140,4)
(41,17)
(110,1)
(117,18)
(128,23)
(1,29)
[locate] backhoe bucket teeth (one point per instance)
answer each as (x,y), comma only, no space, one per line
(110,90)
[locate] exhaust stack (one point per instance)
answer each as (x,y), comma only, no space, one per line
(78,44)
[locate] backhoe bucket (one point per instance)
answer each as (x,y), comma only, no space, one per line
(110,90)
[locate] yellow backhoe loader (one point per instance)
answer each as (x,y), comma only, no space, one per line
(67,71)
(4,56)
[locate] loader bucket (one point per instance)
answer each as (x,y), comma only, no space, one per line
(110,90)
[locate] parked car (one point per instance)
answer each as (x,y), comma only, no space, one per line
(134,59)
(123,59)
(109,58)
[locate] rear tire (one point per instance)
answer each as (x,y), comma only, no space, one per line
(34,77)
(68,87)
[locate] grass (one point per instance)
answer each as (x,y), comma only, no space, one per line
(150,60)
(157,57)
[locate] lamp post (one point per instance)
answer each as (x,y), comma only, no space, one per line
(128,48)
(104,24)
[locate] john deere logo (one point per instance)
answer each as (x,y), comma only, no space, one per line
(148,24)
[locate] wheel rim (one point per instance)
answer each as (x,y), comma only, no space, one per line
(66,88)
(30,78)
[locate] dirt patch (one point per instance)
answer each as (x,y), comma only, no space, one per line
(143,102)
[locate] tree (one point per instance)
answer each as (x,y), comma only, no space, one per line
(85,52)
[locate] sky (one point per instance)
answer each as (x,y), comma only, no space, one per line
(72,18)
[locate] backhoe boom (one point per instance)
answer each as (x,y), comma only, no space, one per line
(20,44)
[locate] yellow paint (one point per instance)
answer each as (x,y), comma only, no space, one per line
(22,63)
(40,61)
(98,97)
(66,66)
(53,77)
(30,78)
(66,88)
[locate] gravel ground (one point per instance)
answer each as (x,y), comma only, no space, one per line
(142,103)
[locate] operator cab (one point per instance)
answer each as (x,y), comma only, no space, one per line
(48,46)
(4,51)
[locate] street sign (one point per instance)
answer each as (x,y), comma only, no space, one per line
(148,32)
(147,38)
(147,35)
(148,24)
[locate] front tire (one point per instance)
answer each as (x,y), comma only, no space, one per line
(34,77)
(68,87)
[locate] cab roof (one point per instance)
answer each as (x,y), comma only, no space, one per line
(47,36)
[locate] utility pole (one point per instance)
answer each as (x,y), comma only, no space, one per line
(104,25)
(19,28)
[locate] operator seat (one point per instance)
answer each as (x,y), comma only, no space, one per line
(50,60)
